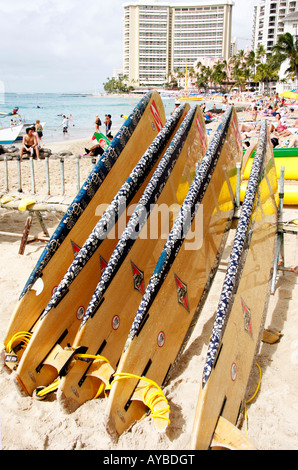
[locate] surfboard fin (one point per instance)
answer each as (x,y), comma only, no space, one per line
(271,336)
(149,393)
(227,436)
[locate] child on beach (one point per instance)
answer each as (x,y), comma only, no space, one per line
(64,124)
(30,144)
(39,129)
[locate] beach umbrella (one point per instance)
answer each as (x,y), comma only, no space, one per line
(290,95)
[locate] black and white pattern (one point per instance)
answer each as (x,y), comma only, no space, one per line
(142,212)
(183,222)
(88,190)
(236,262)
(117,207)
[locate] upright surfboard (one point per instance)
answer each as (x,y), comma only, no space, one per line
(181,280)
(115,165)
(61,318)
(109,316)
(242,307)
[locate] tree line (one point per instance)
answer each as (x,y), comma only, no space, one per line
(243,70)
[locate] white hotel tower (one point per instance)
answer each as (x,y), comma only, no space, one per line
(269,21)
(159,36)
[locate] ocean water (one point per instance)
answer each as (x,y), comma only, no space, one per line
(50,107)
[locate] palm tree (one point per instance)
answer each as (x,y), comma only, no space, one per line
(287,49)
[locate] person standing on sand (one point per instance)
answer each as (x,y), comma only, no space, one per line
(97,123)
(39,129)
(108,123)
(30,144)
(64,124)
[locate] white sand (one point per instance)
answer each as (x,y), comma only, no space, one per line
(272,416)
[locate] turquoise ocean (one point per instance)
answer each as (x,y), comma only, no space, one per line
(49,108)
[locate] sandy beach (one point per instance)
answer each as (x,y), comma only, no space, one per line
(27,424)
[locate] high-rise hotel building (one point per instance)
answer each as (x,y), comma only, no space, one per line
(159,36)
(269,21)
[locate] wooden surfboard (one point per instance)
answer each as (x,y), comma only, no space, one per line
(61,318)
(101,186)
(242,306)
(182,277)
(109,316)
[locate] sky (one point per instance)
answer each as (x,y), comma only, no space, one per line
(72,46)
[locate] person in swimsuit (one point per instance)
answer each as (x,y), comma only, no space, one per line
(97,123)
(30,144)
(39,129)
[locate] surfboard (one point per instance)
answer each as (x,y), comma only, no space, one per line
(105,327)
(61,318)
(115,165)
(242,307)
(182,277)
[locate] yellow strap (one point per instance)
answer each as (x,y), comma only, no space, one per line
(22,337)
(251,399)
(156,397)
(51,388)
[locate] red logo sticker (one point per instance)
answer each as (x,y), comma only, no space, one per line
(182,293)
(246,318)
(103,264)
(76,249)
(201,133)
(156,116)
(138,279)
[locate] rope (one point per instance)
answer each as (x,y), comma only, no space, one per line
(22,337)
(156,397)
(252,398)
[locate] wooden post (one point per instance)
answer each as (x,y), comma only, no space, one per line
(19,174)
(62,176)
(6,173)
(238,166)
(32,175)
(47,175)
(280,235)
(26,234)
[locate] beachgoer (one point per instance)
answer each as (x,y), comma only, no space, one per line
(177,104)
(94,151)
(108,123)
(123,116)
(39,131)
(30,143)
(255,114)
(64,124)
(97,123)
